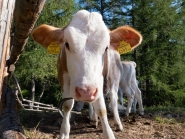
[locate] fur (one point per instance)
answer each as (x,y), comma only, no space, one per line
(80,64)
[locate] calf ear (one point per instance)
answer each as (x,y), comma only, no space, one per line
(127,34)
(45,34)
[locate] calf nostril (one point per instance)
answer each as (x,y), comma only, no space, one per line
(80,90)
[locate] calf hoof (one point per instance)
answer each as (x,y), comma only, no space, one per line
(141,113)
(126,114)
(119,127)
(94,123)
(64,137)
(108,135)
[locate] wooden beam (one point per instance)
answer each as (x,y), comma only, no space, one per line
(6,15)
(25,16)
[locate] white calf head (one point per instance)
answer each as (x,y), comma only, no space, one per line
(83,43)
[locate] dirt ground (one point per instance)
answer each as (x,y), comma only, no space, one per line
(153,125)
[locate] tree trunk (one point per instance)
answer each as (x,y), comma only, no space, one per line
(40,96)
(43,89)
(133,24)
(32,92)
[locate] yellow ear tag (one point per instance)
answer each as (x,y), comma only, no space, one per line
(53,48)
(124,48)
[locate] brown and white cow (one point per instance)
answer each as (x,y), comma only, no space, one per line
(80,64)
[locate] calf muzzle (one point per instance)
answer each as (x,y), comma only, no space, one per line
(87,94)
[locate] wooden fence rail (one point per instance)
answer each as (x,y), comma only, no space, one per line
(37,106)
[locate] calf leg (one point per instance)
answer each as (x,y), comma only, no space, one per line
(139,99)
(120,96)
(100,109)
(129,105)
(91,111)
(134,104)
(79,106)
(130,96)
(114,104)
(92,115)
(65,126)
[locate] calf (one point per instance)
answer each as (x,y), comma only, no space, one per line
(84,44)
(129,84)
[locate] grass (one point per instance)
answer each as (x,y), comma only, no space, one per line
(32,122)
(36,134)
(165,120)
(167,115)
(164,110)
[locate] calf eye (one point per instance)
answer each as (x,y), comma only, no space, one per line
(67,45)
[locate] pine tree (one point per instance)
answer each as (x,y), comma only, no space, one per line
(109,9)
(161,55)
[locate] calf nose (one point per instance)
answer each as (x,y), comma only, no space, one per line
(86,93)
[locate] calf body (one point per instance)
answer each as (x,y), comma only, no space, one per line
(129,84)
(81,61)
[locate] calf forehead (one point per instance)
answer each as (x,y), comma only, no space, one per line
(88,29)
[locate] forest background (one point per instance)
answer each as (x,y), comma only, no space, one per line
(160,58)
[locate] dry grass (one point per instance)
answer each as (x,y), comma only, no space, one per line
(153,125)
(36,134)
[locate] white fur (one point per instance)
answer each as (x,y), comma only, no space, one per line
(67,107)
(88,38)
(129,84)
